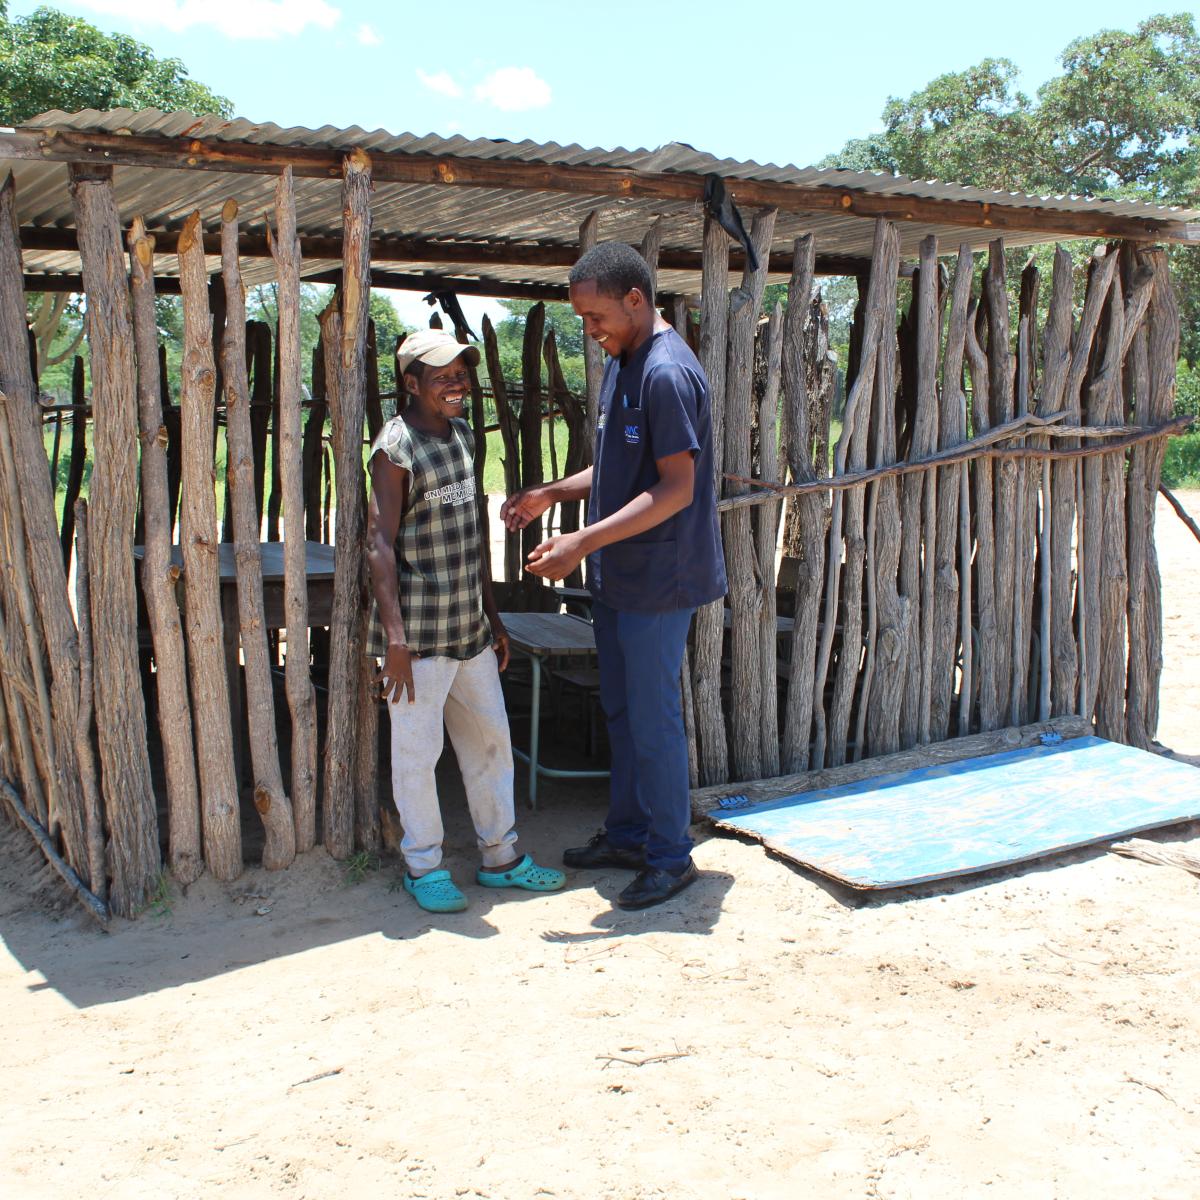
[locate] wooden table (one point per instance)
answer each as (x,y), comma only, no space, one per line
(540,636)
(318,571)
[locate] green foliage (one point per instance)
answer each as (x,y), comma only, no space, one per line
(1181,465)
(388,329)
(51,60)
(568,336)
(1187,391)
(160,902)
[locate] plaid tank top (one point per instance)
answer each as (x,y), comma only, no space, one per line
(437,546)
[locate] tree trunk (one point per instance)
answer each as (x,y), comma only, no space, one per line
(710,619)
(345,340)
(160,576)
(273,806)
(740,560)
(31,482)
(201,572)
(508,436)
(531,417)
(76,460)
(121,719)
(766,533)
(593,355)
(301,695)
(809,513)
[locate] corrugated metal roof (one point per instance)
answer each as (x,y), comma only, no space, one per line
(164,197)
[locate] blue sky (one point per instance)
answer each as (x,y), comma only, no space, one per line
(767,80)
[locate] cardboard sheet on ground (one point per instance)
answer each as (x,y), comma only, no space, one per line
(955,819)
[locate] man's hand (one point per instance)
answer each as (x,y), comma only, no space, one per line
(556,557)
(524,506)
(500,643)
(396,673)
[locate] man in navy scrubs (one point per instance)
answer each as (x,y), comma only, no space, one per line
(653,545)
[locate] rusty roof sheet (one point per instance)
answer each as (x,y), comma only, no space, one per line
(164,197)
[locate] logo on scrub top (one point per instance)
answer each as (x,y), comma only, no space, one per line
(633,434)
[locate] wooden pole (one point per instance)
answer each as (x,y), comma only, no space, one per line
(984,584)
(121,719)
(347,632)
(93,814)
(809,512)
(740,560)
(76,459)
(301,696)
(279,848)
(1058,501)
(508,436)
(945,633)
(889,613)
(710,619)
(160,577)
(19,411)
(575,415)
(593,355)
(221,825)
(530,422)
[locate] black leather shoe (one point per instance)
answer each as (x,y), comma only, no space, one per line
(600,852)
(655,885)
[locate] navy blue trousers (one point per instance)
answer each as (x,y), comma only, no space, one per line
(640,659)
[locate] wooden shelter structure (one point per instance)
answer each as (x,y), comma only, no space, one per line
(978,553)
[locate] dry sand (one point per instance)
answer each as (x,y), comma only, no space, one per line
(1029,1033)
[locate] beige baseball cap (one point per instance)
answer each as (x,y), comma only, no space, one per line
(434,347)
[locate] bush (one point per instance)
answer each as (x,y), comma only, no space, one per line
(1181,466)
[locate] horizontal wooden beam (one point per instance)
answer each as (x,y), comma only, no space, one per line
(58,145)
(410,250)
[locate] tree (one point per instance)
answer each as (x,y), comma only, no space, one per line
(1121,120)
(568,335)
(51,60)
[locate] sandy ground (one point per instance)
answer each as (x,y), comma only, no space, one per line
(1029,1033)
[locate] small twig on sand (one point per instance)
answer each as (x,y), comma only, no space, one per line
(609,1059)
(1153,1088)
(314,1078)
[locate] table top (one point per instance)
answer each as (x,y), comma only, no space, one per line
(549,633)
(318,560)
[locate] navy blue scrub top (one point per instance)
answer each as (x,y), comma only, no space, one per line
(653,405)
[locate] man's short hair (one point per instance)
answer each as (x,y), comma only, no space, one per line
(615,269)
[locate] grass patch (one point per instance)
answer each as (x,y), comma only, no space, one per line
(358,866)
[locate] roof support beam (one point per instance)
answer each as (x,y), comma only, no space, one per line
(56,145)
(413,250)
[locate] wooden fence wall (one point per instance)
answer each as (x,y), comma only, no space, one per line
(979,554)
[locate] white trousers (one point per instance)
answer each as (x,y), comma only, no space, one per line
(465,695)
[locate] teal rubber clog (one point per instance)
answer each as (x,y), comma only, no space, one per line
(526,874)
(435,892)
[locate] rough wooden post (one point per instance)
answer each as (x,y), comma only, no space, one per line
(890,614)
(273,805)
(575,415)
(918,552)
(593,355)
(877,322)
(985,546)
(302,704)
(31,480)
(1105,408)
(952,429)
(766,534)
(1000,393)
(259,357)
(742,569)
(1058,498)
(347,340)
(508,436)
(76,459)
(1101,272)
(121,718)
(809,509)
(159,577)
(221,825)
(93,808)
(1163,354)
(710,620)
(530,422)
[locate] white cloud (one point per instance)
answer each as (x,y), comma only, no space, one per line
(514,89)
(442,82)
(367,36)
(233,18)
